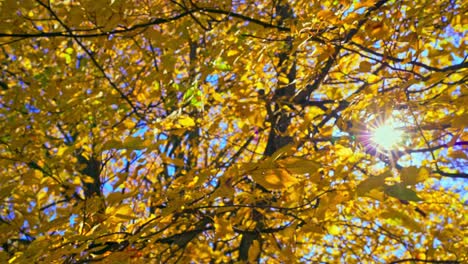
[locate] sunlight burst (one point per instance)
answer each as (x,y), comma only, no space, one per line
(387,135)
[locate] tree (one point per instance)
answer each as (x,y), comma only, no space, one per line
(233,131)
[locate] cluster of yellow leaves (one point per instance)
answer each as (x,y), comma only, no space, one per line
(144,125)
(276,173)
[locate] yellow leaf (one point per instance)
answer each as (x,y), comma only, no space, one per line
(436,77)
(254,250)
(123,211)
(460,122)
(376,194)
(273,179)
(398,218)
(312,228)
(62,150)
(223,228)
(12,260)
(334,230)
(365,66)
(299,166)
(360,4)
(457,154)
(115,197)
(342,196)
(284,151)
(283,79)
(186,121)
(218,98)
(378,30)
(324,14)
(87,179)
(423,174)
(232,52)
(31,177)
(175,161)
(289,232)
(343,152)
(372,78)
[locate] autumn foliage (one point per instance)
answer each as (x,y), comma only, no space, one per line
(216,131)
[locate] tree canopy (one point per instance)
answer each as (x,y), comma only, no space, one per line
(220,131)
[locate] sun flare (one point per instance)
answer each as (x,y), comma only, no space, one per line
(386,136)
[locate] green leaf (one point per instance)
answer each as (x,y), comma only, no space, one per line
(221,65)
(372,182)
(4,139)
(193,95)
(412,175)
(400,191)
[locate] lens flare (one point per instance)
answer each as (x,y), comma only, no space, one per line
(386,136)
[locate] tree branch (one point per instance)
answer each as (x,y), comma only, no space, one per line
(155,21)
